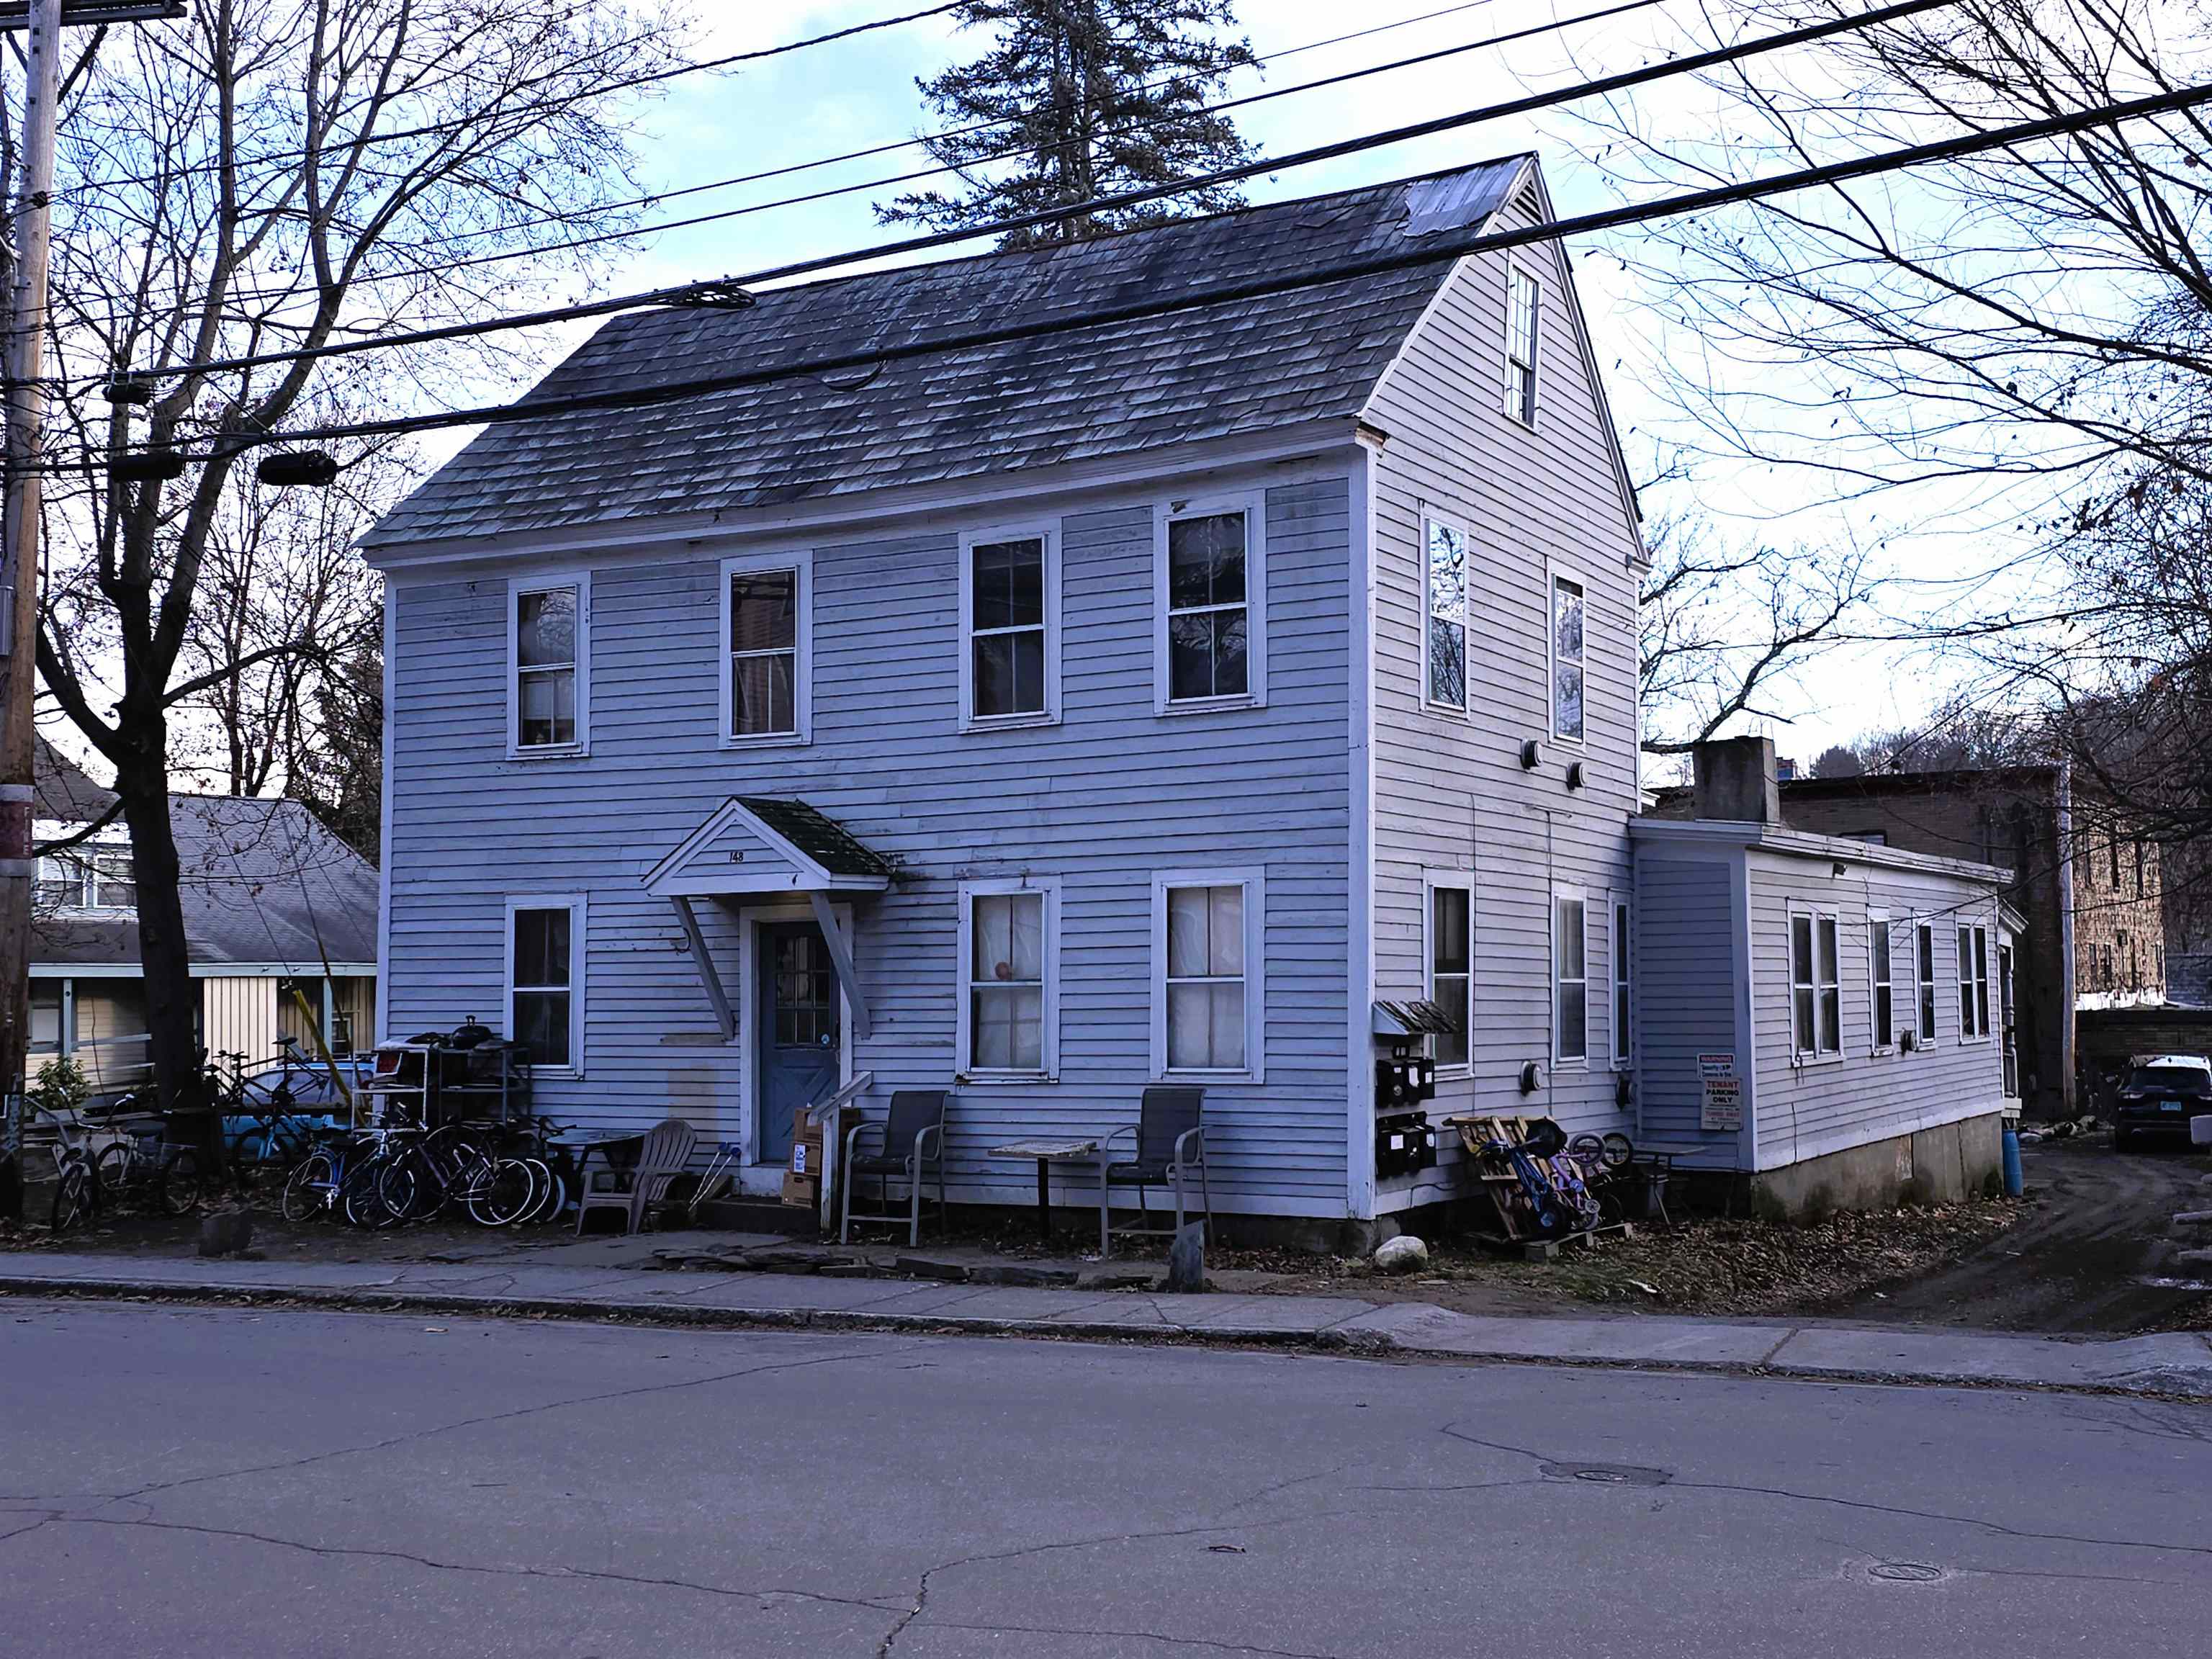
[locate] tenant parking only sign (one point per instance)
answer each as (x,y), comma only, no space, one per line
(1720,1109)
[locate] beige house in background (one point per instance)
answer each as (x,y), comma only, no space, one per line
(278,912)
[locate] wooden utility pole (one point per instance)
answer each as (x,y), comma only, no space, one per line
(24,366)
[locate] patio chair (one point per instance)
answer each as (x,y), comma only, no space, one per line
(666,1149)
(913,1144)
(1170,1146)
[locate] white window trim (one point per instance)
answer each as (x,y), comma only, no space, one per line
(1254,507)
(1924,1037)
(963,952)
(1581,1062)
(802,677)
(1254,881)
(1512,401)
(1623,941)
(1967,979)
(114,839)
(1879,918)
(541,582)
(1815,1056)
(577,906)
(1050,715)
(1458,881)
(1555,572)
(1457,710)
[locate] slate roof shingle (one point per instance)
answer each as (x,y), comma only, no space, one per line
(1220,370)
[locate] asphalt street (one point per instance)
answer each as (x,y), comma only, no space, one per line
(187,1481)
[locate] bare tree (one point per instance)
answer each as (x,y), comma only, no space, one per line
(1723,628)
(274,174)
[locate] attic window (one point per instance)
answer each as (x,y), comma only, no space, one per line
(1521,345)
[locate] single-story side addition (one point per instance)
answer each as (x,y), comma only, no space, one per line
(1828,1017)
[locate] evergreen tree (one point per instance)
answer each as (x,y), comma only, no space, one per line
(1083,98)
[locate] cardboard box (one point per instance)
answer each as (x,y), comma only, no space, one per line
(802,1192)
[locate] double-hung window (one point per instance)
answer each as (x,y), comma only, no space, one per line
(1010,669)
(545,979)
(766,647)
(548,660)
(1623,1047)
(93,876)
(1211,605)
(1815,993)
(1522,308)
(1566,621)
(1207,1008)
(1570,976)
(1451,964)
(1446,645)
(1923,952)
(1884,984)
(1973,984)
(1010,979)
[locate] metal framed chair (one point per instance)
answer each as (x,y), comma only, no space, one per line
(1170,1146)
(913,1144)
(660,1159)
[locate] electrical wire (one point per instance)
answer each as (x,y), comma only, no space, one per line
(650,78)
(1439,251)
(720,289)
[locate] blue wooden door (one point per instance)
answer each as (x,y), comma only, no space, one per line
(796,1034)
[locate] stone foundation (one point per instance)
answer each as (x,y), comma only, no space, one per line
(1935,1166)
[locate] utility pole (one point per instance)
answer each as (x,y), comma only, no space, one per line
(25,362)
(22,365)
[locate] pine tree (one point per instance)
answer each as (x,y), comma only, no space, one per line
(1083,98)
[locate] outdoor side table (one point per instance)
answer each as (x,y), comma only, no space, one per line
(1048,1153)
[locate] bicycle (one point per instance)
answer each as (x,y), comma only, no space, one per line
(347,1175)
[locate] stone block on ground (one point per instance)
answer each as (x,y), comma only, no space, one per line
(1401,1255)
(1187,1259)
(229,1234)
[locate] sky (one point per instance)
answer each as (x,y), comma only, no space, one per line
(860,92)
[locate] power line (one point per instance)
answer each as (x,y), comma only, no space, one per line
(891,147)
(749,209)
(1615,218)
(719,289)
(649,78)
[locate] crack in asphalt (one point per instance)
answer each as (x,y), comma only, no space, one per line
(1131,1635)
(509,1570)
(1452,1431)
(435,1430)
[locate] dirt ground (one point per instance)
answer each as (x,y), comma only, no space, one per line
(2089,1250)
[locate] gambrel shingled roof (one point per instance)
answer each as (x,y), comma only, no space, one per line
(1223,370)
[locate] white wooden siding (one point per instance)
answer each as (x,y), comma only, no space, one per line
(1100,802)
(1822,1106)
(239,1016)
(1449,789)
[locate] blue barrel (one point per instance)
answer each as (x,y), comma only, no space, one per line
(2015,1178)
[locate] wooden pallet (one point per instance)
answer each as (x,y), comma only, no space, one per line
(1546,1249)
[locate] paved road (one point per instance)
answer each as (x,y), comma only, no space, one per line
(2095,1254)
(193,1481)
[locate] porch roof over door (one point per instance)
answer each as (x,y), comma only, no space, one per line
(752,844)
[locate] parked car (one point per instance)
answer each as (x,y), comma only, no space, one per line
(2158,1096)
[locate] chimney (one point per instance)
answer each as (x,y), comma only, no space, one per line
(1737,781)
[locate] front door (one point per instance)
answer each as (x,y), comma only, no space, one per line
(2008,1026)
(797,1033)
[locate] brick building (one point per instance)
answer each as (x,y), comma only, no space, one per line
(2096,932)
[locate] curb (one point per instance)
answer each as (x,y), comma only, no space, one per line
(1329,1340)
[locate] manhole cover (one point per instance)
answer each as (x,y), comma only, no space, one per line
(1905,1572)
(1610,1474)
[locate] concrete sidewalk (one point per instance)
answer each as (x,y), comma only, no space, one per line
(2178,1363)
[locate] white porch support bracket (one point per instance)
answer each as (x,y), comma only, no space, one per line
(701,955)
(841,952)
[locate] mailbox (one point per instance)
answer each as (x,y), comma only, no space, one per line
(1404,1080)
(1404,1142)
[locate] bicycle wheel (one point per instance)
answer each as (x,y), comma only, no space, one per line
(557,1197)
(183,1181)
(112,1169)
(77,1197)
(408,1186)
(365,1195)
(543,1188)
(506,1197)
(1619,1150)
(307,1189)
